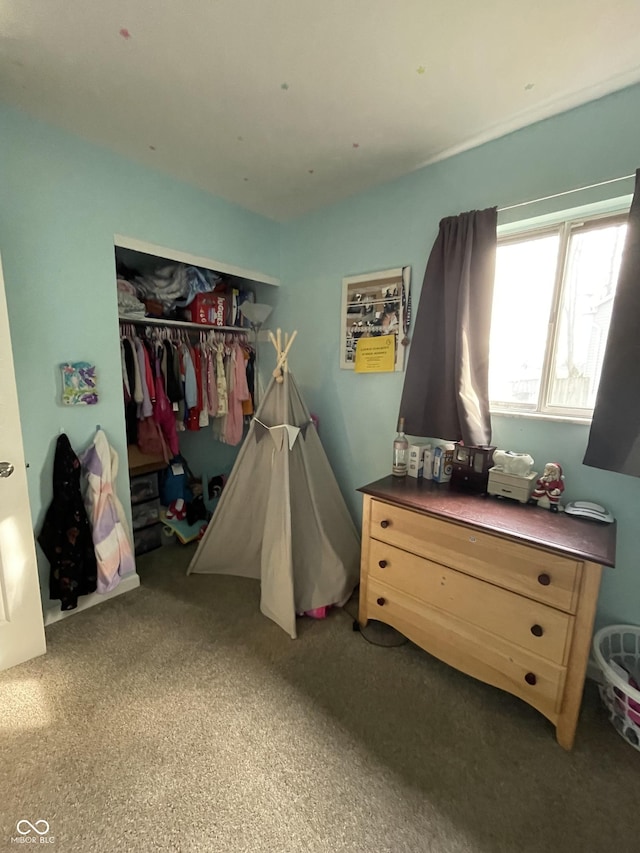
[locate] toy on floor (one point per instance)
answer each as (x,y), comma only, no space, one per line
(177,510)
(319,612)
(182,530)
(188,520)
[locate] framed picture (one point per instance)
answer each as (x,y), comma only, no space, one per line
(79,384)
(373,305)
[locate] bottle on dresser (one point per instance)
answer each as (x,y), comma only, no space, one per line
(400,452)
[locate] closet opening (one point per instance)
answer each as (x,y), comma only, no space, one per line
(189,382)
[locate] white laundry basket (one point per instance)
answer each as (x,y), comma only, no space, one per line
(620,643)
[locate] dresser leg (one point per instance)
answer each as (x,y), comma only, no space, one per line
(363,618)
(579,655)
(565,736)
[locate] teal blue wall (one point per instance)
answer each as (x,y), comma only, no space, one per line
(396,224)
(61,202)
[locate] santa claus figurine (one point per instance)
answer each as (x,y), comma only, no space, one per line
(549,487)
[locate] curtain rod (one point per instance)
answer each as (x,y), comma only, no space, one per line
(566,192)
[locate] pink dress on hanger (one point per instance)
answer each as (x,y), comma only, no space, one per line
(163,413)
(212,390)
(234,427)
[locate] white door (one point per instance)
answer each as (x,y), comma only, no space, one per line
(21,622)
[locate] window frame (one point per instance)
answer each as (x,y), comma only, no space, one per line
(565,228)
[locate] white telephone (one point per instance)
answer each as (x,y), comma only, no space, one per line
(587,509)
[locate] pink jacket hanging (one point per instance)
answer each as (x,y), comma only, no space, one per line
(163,413)
(235,422)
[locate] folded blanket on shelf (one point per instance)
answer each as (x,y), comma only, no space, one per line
(176,285)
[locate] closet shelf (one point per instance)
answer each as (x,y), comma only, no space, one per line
(181,324)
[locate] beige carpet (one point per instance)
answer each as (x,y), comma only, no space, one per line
(178,718)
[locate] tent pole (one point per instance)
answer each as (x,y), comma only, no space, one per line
(282,360)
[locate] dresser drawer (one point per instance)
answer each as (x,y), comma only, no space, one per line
(529,624)
(529,571)
(469,648)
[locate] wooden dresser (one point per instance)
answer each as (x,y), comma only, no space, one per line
(504,592)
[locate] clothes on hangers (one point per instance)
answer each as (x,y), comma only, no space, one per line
(110,531)
(249,362)
(190,382)
(212,389)
(145,409)
(185,384)
(131,407)
(174,390)
(221,380)
(234,427)
(163,412)
(65,537)
(203,420)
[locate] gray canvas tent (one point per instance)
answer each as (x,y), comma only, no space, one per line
(281,517)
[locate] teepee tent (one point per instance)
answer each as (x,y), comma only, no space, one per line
(281,517)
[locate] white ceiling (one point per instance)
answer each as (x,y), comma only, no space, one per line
(283,106)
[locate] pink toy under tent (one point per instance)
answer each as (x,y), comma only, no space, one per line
(281,517)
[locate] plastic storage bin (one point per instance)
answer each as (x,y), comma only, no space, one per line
(145,513)
(144,487)
(147,539)
(620,643)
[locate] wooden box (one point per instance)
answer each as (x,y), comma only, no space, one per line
(471,465)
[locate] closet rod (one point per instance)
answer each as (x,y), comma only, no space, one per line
(181,324)
(566,192)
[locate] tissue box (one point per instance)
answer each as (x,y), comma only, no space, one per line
(510,485)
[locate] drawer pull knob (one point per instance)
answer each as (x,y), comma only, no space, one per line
(530,678)
(472,539)
(544,579)
(383,564)
(537,630)
(384,523)
(382,601)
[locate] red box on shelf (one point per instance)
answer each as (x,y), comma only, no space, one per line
(208,309)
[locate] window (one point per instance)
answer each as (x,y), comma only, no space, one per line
(552,301)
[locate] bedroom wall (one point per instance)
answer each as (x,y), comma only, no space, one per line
(61,202)
(396,224)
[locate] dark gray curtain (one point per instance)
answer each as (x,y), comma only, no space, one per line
(446,387)
(614,440)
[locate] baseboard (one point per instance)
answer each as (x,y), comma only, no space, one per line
(128,583)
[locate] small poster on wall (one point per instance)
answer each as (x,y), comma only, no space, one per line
(376,307)
(376,354)
(79,384)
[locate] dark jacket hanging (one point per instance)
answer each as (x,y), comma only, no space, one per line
(65,537)
(446,387)
(614,439)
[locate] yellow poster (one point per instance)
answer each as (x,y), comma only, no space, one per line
(376,355)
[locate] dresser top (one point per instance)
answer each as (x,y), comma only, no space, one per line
(586,540)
